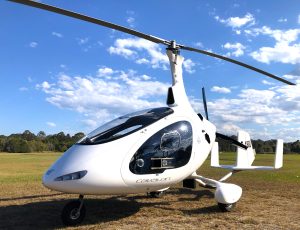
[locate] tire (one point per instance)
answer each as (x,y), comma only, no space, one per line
(155,194)
(70,215)
(226,207)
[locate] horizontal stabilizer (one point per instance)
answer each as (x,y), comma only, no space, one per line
(245,158)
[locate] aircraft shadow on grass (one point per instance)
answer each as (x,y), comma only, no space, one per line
(46,214)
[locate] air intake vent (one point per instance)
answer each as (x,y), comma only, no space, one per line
(170,98)
(207,138)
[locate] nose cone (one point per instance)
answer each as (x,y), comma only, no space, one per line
(48,179)
(66,174)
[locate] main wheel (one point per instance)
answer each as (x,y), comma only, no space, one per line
(71,215)
(155,194)
(226,207)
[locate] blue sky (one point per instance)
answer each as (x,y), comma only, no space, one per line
(62,74)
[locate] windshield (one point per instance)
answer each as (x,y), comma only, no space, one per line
(125,125)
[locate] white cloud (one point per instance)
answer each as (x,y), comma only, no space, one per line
(23,89)
(279,53)
(98,99)
(142,61)
(265,82)
(237,22)
(82,41)
(131,18)
(33,44)
(130,21)
(45,85)
(105,71)
(189,65)
(294,75)
(132,48)
(56,34)
(237,47)
(275,109)
(281,36)
(282,20)
(199,44)
(218,89)
(145,77)
(90,123)
(285,49)
(51,124)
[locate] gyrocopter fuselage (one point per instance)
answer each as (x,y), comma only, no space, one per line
(150,150)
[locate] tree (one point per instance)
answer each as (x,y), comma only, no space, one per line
(28,136)
(41,135)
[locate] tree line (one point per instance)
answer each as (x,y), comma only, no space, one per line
(27,142)
(261,146)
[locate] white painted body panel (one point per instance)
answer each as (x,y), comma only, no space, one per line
(228,193)
(107,164)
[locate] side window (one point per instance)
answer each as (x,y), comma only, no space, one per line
(169,148)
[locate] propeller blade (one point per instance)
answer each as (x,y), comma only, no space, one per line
(236,62)
(231,140)
(92,20)
(204,103)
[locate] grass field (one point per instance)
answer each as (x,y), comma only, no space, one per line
(271,200)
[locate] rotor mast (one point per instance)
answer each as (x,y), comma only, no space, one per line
(177,90)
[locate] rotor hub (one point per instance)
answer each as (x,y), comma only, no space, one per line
(174,47)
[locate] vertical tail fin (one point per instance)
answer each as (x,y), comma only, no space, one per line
(278,162)
(214,157)
(245,157)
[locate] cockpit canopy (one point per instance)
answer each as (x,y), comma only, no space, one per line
(125,125)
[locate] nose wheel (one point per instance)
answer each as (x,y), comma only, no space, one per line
(74,212)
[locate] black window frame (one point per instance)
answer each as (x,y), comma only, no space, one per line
(143,120)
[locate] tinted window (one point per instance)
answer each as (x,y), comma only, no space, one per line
(125,125)
(171,147)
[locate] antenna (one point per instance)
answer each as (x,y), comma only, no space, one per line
(204,102)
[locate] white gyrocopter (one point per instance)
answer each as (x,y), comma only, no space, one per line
(150,150)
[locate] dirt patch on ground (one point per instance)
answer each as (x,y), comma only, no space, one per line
(262,206)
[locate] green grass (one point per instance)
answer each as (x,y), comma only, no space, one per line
(290,172)
(26,204)
(24,167)
(29,167)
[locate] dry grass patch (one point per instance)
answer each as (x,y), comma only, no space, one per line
(266,203)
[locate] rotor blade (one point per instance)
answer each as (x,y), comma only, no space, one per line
(92,20)
(204,103)
(231,140)
(236,62)
(139,34)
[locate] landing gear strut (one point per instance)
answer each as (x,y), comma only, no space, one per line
(156,194)
(74,212)
(226,207)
